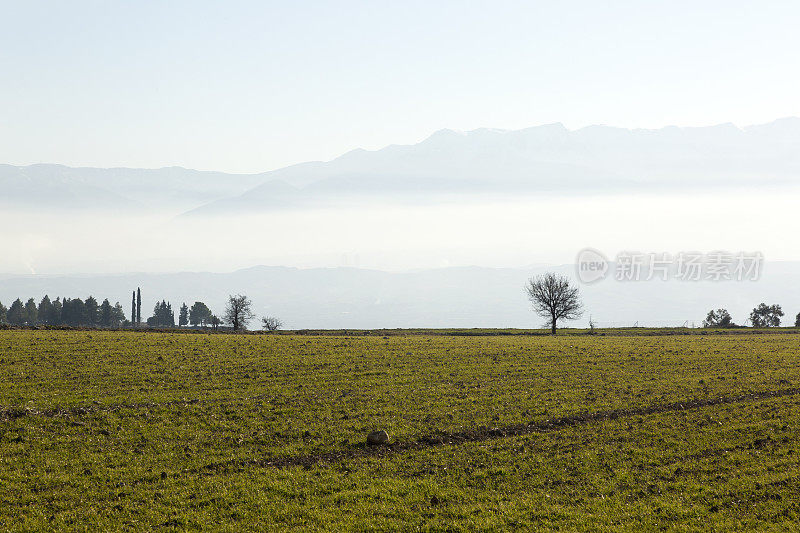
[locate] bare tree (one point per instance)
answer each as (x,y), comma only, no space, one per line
(554,297)
(239,312)
(271,323)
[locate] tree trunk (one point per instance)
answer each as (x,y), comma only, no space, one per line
(553,326)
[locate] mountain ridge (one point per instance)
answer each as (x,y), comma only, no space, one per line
(543,159)
(537,160)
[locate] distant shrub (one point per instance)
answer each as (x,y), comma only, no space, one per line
(271,323)
(720,318)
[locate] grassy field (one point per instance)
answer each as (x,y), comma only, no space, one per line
(125,430)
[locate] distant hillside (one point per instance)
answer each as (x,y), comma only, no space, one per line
(172,189)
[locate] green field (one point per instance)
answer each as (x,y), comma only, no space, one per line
(127,430)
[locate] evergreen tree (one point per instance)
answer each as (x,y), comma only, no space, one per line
(77,313)
(138,305)
(105,314)
(66,311)
(16,313)
(79,310)
(133,308)
(57,308)
(183,316)
(46,311)
(92,312)
(153,321)
(162,316)
(199,314)
(117,316)
(31,312)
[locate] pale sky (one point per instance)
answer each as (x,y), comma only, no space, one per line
(253,86)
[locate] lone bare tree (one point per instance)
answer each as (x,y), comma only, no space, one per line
(238,312)
(554,297)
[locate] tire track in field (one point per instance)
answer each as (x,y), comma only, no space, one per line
(483,434)
(12,412)
(438,438)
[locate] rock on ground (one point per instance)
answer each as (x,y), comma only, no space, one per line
(375,438)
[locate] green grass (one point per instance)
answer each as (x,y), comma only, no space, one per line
(124,430)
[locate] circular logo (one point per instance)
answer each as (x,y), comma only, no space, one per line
(591,265)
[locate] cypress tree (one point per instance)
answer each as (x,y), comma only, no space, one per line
(133,308)
(31,312)
(92,311)
(77,312)
(66,311)
(117,316)
(16,313)
(46,311)
(139,305)
(57,308)
(183,317)
(105,314)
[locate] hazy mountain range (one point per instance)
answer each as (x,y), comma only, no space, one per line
(172,189)
(449,297)
(547,159)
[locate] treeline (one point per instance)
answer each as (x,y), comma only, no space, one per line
(762,316)
(89,313)
(197,315)
(63,312)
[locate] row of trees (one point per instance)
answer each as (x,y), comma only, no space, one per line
(238,314)
(90,313)
(763,316)
(66,311)
(555,298)
(197,315)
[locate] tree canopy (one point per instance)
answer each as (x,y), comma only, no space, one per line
(766,316)
(554,297)
(163,316)
(720,318)
(199,314)
(239,312)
